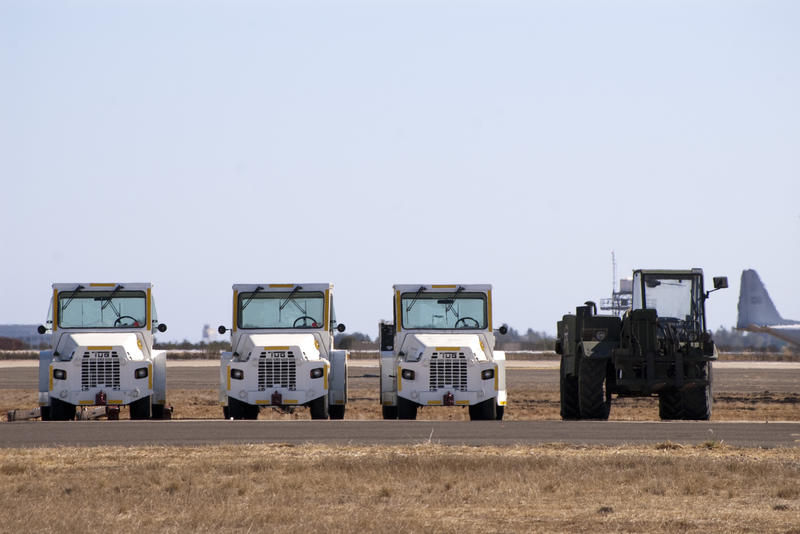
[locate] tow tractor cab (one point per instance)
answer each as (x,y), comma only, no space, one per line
(439,351)
(102,351)
(282,352)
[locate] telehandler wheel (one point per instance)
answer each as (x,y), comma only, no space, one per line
(140,409)
(336,411)
(569,395)
(389,412)
(483,411)
(693,404)
(593,398)
(61,411)
(236,408)
(406,409)
(319,407)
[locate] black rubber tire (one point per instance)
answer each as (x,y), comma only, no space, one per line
(483,411)
(500,411)
(319,407)
(406,409)
(669,405)
(140,408)
(236,408)
(251,411)
(158,411)
(691,405)
(336,411)
(569,395)
(62,411)
(389,412)
(593,398)
(226,412)
(45,413)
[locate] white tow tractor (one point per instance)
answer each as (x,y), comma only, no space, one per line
(439,351)
(102,352)
(282,352)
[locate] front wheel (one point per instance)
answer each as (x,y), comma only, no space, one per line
(319,407)
(483,411)
(569,395)
(389,412)
(500,411)
(406,409)
(336,411)
(593,397)
(140,409)
(61,411)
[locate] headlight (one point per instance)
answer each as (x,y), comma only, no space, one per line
(238,374)
(408,374)
(316,372)
(487,374)
(140,373)
(59,374)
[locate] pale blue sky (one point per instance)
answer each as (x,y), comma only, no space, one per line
(201,144)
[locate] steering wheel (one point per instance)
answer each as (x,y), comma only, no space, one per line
(465,319)
(121,317)
(303,318)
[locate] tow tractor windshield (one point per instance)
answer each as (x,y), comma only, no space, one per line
(115,308)
(281,309)
(675,297)
(444,311)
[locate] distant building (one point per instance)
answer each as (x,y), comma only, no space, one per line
(25,333)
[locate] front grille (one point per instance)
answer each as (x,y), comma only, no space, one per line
(277,369)
(100,369)
(448,370)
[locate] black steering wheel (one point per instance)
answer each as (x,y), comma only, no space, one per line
(465,319)
(303,318)
(121,317)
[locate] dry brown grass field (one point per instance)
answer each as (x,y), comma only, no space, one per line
(420,488)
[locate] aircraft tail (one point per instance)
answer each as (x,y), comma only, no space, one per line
(755,306)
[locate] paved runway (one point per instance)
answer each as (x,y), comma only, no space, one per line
(128,433)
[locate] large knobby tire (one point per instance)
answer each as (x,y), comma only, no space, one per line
(336,411)
(483,411)
(236,408)
(319,407)
(569,395)
(693,404)
(61,411)
(406,409)
(140,408)
(389,412)
(593,398)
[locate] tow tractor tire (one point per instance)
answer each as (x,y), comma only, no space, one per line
(389,412)
(319,407)
(336,411)
(693,404)
(236,408)
(406,409)
(483,411)
(45,412)
(569,395)
(61,411)
(158,411)
(593,398)
(226,412)
(500,411)
(140,409)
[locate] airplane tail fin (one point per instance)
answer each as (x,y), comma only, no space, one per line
(755,306)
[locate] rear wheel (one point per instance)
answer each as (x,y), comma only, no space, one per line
(483,411)
(593,397)
(693,404)
(319,407)
(140,409)
(336,411)
(61,411)
(389,412)
(406,409)
(569,395)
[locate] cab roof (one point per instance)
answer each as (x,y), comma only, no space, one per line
(103,286)
(282,287)
(403,288)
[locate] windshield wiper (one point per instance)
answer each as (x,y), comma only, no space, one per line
(108,299)
(250,298)
(452,299)
(74,292)
(289,298)
(414,300)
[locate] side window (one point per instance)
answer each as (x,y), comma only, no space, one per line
(154,313)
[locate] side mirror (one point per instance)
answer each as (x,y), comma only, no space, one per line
(503,330)
(222,329)
(162,327)
(340,327)
(720,282)
(41,329)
